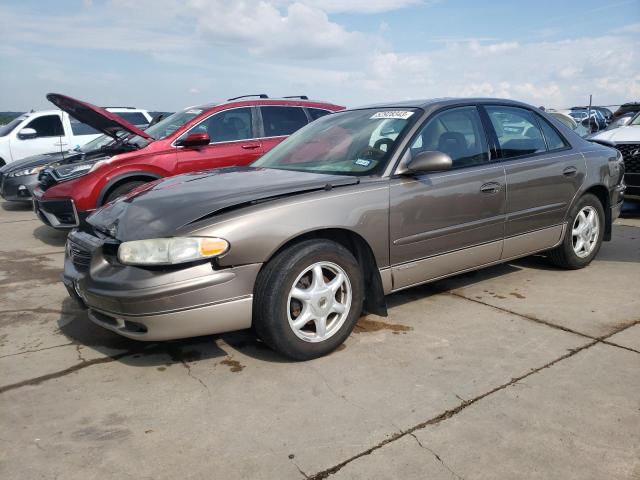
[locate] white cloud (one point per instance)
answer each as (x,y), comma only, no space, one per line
(364,6)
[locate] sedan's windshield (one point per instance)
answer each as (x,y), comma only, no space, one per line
(96,143)
(635,120)
(8,128)
(358,142)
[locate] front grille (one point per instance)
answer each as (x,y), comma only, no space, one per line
(80,257)
(631,154)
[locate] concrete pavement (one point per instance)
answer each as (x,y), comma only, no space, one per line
(517,371)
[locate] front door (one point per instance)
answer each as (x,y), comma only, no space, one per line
(233,142)
(50,137)
(450,221)
(543,173)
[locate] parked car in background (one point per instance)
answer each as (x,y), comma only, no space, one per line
(596,123)
(622,120)
(630,107)
(570,122)
(235,132)
(356,205)
(50,131)
(19,178)
(626,139)
(604,111)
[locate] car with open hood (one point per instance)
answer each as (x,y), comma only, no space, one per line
(354,206)
(235,132)
(626,139)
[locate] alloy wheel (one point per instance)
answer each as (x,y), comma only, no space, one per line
(585,231)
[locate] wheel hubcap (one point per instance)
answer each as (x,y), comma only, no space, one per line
(585,231)
(319,302)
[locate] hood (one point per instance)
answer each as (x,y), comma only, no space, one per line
(159,208)
(96,117)
(630,133)
(33,161)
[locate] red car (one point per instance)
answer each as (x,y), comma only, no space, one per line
(235,132)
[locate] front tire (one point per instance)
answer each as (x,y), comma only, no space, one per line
(122,190)
(583,239)
(308,298)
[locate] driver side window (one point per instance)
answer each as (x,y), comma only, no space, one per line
(227,126)
(46,126)
(459,133)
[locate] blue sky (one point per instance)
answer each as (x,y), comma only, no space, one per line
(168,54)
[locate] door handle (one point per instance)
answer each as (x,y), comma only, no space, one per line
(569,171)
(490,188)
(250,147)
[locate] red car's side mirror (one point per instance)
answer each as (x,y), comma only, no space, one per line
(194,140)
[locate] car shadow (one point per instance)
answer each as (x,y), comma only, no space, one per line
(16,206)
(51,236)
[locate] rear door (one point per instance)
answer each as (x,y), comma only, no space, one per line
(543,175)
(278,122)
(50,137)
(233,141)
(450,221)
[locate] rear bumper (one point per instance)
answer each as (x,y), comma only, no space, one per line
(18,189)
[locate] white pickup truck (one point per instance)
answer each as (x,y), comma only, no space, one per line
(49,131)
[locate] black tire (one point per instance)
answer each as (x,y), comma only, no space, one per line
(564,255)
(122,190)
(274,282)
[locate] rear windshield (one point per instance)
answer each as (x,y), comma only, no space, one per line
(8,128)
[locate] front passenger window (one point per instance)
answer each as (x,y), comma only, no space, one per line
(459,133)
(227,126)
(517,131)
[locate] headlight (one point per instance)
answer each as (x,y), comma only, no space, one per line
(76,169)
(170,251)
(26,171)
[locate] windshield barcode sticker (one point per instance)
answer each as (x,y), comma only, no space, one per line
(395,114)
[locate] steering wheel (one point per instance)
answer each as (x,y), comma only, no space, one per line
(383,141)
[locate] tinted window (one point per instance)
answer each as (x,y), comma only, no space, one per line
(79,128)
(47,126)
(279,121)
(517,131)
(227,126)
(553,138)
(316,113)
(458,133)
(134,118)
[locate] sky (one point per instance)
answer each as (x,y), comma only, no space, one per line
(169,54)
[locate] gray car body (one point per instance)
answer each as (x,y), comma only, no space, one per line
(404,229)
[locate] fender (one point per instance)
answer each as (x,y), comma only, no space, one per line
(124,176)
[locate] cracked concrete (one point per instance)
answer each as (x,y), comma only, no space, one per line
(512,372)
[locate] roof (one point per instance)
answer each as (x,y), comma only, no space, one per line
(440,102)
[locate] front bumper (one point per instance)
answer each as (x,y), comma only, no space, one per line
(18,189)
(60,213)
(157,304)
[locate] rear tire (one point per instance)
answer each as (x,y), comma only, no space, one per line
(583,238)
(319,281)
(122,189)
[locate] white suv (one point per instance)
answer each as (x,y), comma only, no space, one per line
(50,131)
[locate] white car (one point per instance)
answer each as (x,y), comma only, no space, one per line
(49,131)
(627,140)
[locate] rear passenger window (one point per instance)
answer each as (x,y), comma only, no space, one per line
(459,133)
(553,138)
(47,126)
(280,121)
(316,113)
(79,128)
(517,131)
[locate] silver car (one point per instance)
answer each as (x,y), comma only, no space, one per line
(355,206)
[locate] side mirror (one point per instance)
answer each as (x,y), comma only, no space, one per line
(194,140)
(429,161)
(27,134)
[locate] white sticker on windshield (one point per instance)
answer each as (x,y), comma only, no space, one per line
(362,162)
(195,112)
(399,114)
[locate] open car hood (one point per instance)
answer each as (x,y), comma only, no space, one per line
(160,208)
(96,117)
